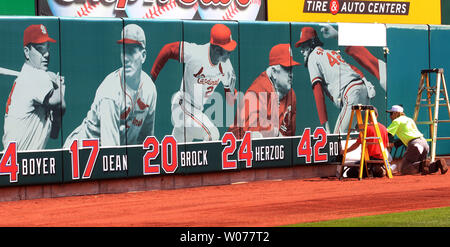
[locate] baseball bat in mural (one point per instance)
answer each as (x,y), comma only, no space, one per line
(5,71)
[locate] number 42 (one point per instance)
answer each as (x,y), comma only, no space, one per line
(305,150)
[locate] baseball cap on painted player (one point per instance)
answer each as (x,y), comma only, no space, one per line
(306,34)
(132,34)
(221,36)
(282,54)
(36,34)
(395,108)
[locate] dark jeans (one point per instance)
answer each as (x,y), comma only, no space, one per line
(416,152)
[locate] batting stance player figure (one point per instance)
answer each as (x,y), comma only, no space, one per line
(36,101)
(269,105)
(330,75)
(123,111)
(205,66)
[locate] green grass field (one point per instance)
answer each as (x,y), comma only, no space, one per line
(437,217)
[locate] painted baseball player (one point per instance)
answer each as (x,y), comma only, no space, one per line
(123,111)
(36,101)
(373,65)
(269,105)
(330,75)
(205,66)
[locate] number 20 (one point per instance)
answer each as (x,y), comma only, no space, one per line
(152,144)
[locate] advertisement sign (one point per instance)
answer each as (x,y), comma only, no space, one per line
(382,11)
(157,9)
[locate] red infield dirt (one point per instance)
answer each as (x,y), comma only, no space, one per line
(262,203)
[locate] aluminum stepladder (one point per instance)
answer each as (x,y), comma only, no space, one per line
(433,105)
(369,119)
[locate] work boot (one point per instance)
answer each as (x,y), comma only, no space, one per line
(442,164)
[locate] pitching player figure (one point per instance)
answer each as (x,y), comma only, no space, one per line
(269,105)
(36,101)
(205,66)
(373,65)
(123,111)
(330,75)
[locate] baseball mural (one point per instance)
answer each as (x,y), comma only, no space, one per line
(206,65)
(234,10)
(105,98)
(36,100)
(268,108)
(34,97)
(123,111)
(266,81)
(339,76)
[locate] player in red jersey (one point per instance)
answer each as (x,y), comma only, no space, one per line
(269,105)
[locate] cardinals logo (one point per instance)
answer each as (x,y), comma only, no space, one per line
(125,114)
(198,74)
(43,29)
(202,79)
(141,104)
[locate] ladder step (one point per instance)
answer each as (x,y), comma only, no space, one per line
(375,162)
(362,107)
(438,138)
(431,89)
(431,122)
(372,138)
(434,70)
(430,105)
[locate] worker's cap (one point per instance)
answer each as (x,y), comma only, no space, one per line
(306,34)
(395,108)
(282,54)
(132,34)
(36,34)
(221,36)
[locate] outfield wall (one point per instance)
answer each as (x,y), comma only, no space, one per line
(289,136)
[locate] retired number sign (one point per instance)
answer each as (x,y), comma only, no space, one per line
(163,157)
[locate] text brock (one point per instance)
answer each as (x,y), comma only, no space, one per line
(194,158)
